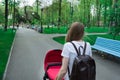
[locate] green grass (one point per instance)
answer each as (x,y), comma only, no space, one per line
(90,38)
(53,30)
(96,29)
(63,30)
(6,39)
(60,39)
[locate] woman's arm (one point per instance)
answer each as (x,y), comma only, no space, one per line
(63,69)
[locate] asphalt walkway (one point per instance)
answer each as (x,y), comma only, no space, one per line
(26,62)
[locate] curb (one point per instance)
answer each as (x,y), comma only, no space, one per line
(4,75)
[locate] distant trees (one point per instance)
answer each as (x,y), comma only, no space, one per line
(91,12)
(114,19)
(62,12)
(2,16)
(10,12)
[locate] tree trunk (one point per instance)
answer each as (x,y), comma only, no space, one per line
(37,6)
(71,12)
(6,15)
(59,14)
(105,15)
(14,15)
(84,14)
(98,12)
(41,21)
(112,16)
(88,20)
(25,11)
(99,15)
(52,20)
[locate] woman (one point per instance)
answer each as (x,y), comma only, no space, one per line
(75,35)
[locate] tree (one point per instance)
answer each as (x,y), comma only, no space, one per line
(14,15)
(105,12)
(115,19)
(6,15)
(2,16)
(98,5)
(37,6)
(59,13)
(88,13)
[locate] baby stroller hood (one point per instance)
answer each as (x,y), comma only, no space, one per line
(52,63)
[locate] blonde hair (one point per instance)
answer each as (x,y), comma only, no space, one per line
(76,32)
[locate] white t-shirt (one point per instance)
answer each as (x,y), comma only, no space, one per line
(70,52)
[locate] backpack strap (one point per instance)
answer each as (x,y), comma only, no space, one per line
(84,49)
(78,52)
(68,72)
(75,48)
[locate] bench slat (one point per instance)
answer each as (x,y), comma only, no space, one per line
(117,54)
(108,46)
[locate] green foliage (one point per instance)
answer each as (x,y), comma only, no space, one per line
(115,19)
(90,12)
(2,14)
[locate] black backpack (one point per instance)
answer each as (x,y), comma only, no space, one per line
(84,67)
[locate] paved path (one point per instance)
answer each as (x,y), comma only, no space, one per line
(28,54)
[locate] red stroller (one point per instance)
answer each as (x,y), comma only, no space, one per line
(52,64)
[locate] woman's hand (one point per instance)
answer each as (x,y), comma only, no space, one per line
(63,69)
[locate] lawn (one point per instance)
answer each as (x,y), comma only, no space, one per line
(63,30)
(89,38)
(96,29)
(6,39)
(53,30)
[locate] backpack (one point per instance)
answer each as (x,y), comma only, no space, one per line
(84,67)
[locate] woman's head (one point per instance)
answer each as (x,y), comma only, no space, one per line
(75,32)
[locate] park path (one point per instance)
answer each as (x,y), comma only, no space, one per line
(29,49)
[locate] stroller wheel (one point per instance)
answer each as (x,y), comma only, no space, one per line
(44,78)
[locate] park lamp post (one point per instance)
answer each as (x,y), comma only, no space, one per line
(33,13)
(33,18)
(22,21)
